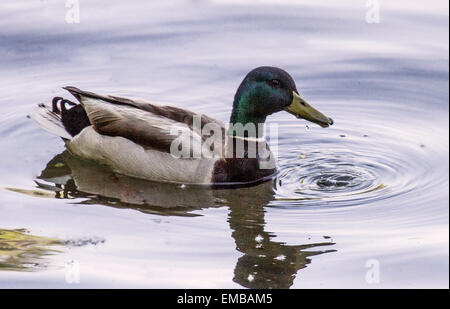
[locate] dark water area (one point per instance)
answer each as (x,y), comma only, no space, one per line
(370,190)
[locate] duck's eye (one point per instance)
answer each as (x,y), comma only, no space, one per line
(275,83)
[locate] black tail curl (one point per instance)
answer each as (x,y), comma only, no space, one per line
(74,119)
(62,103)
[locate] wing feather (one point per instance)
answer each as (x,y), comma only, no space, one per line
(147,124)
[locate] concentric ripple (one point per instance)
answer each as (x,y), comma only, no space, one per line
(324,176)
(356,169)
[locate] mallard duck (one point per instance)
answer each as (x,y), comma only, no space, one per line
(170,144)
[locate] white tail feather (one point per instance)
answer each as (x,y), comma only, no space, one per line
(50,121)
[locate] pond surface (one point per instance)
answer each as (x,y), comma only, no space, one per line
(363,203)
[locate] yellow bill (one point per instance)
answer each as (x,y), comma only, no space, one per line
(301,109)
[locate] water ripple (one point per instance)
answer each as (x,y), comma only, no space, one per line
(357,169)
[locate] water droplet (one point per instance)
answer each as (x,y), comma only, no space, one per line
(259,238)
(280,257)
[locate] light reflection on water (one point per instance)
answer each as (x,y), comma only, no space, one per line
(375,185)
(20,251)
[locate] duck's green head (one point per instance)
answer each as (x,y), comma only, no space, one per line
(267,90)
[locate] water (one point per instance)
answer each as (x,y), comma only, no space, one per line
(368,194)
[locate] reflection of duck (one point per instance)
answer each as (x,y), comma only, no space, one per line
(170,144)
(265,263)
(101,185)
